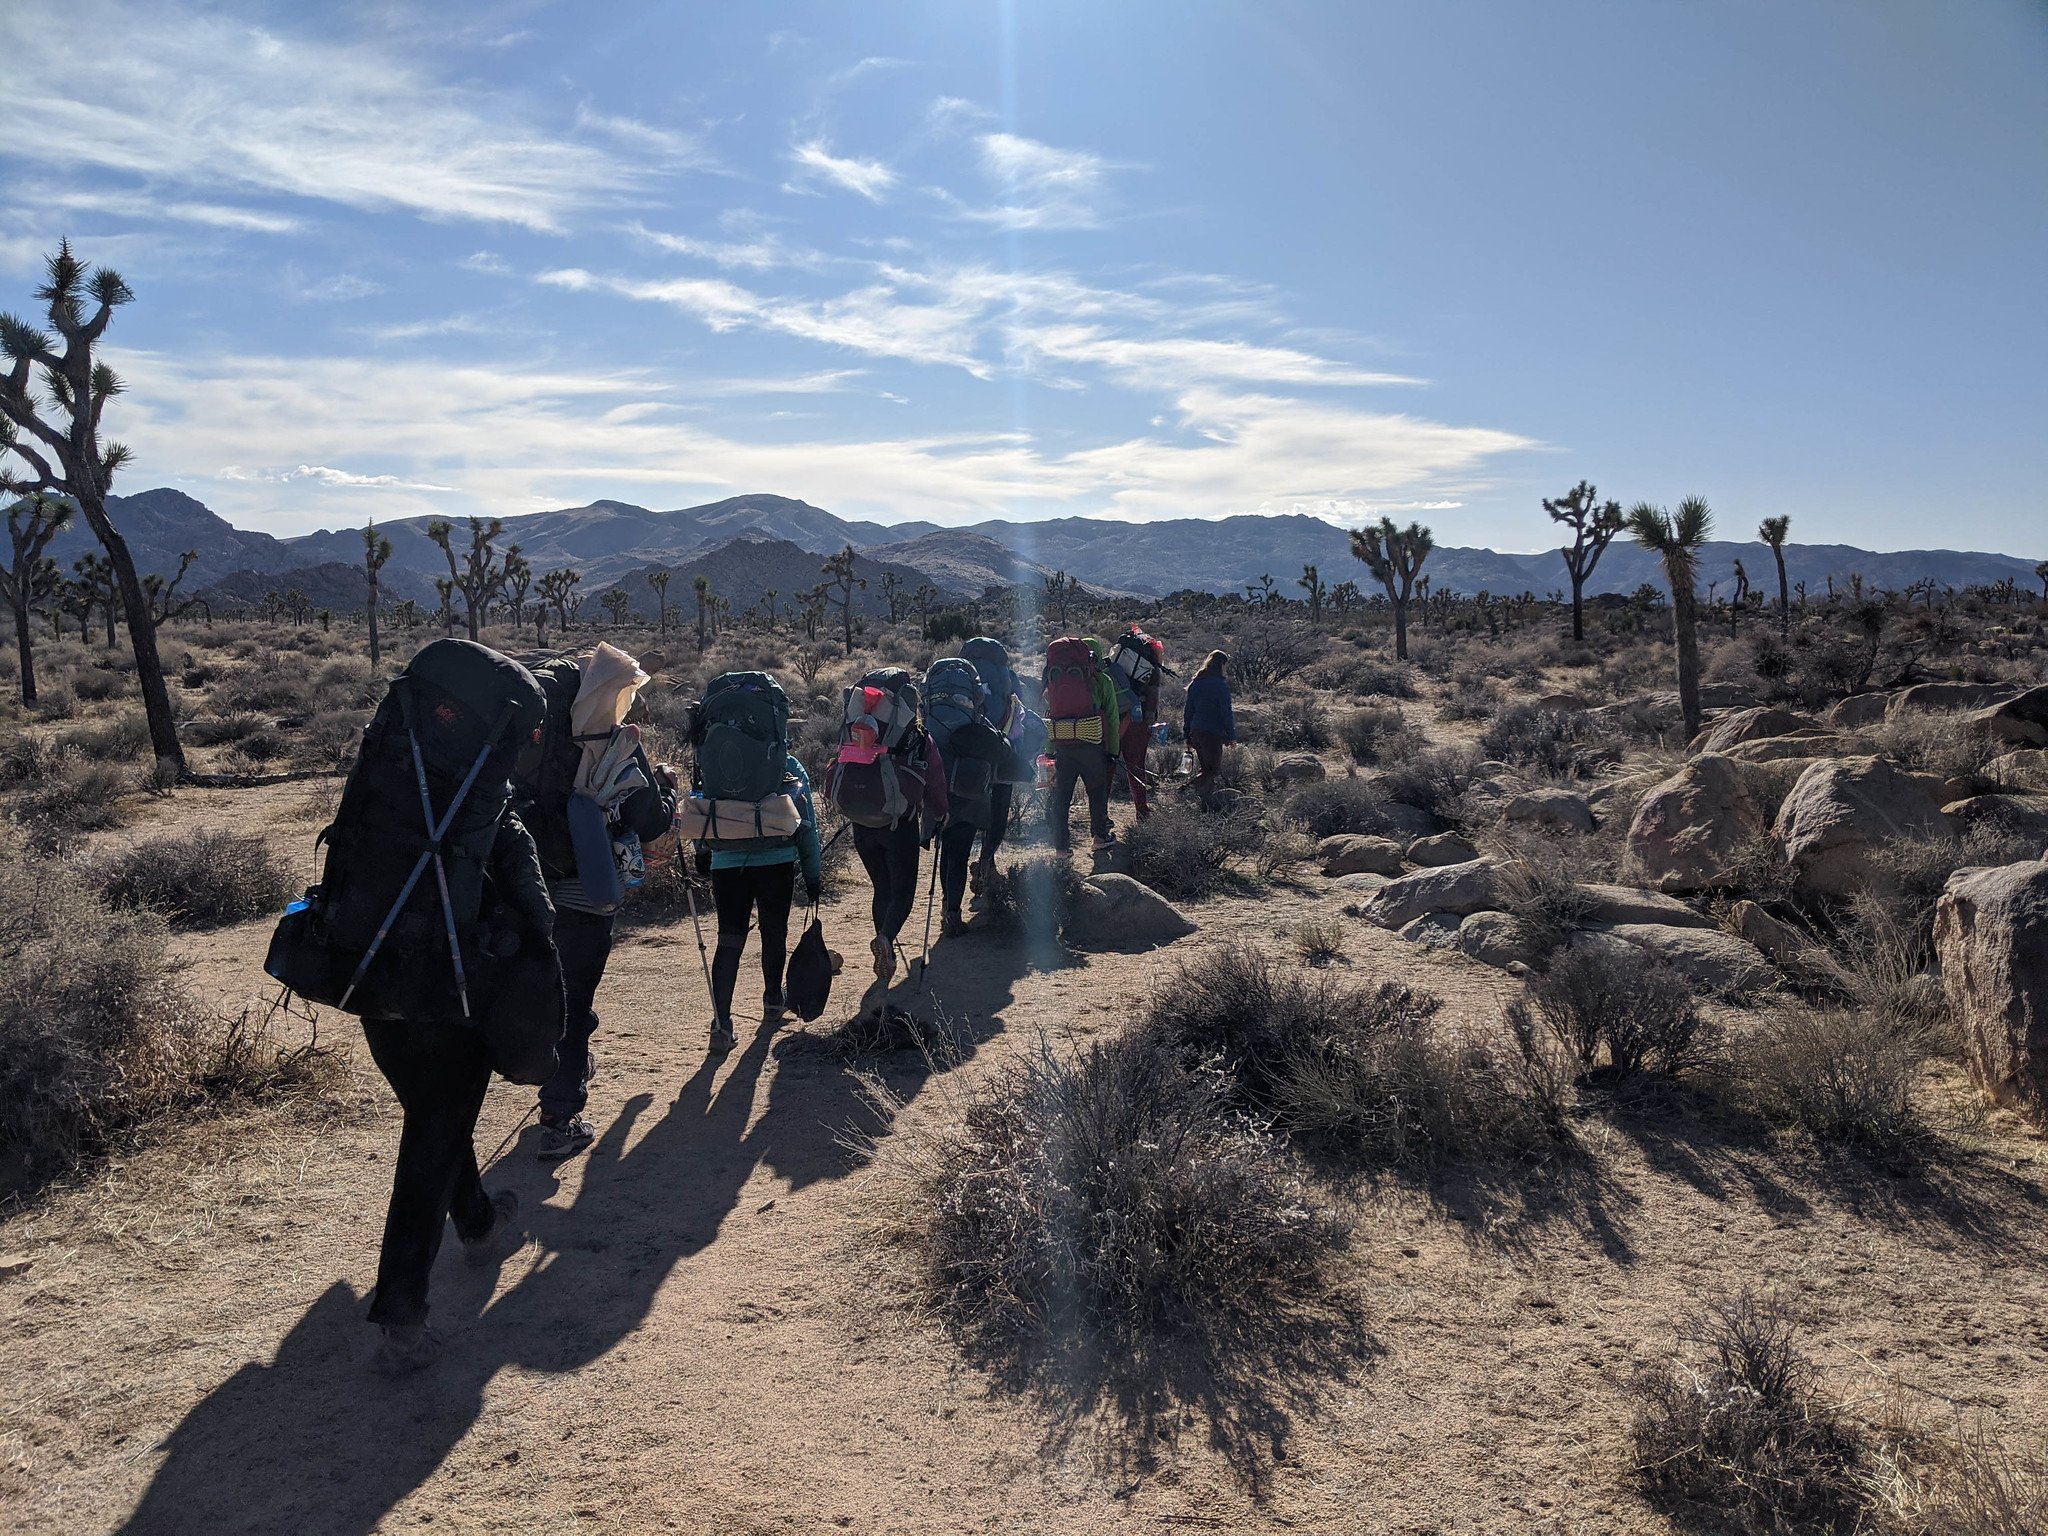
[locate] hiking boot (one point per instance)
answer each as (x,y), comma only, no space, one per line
(951,924)
(773,1009)
(505,1236)
(723,1037)
(405,1349)
(885,960)
(564,1138)
(977,877)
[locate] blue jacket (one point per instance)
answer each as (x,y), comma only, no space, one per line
(803,847)
(1208,707)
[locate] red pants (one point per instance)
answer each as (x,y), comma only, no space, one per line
(1137,741)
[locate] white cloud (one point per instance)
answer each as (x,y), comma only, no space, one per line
(950,112)
(677,149)
(1041,187)
(867,178)
(1175,360)
(321,474)
(195,99)
(338,289)
(486,261)
(142,205)
(760,251)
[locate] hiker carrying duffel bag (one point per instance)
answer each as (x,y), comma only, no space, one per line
(430,895)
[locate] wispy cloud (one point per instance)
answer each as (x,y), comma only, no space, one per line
(1174,360)
(1039,186)
(321,474)
(866,178)
(489,262)
(143,205)
(198,100)
(666,144)
(758,250)
(338,289)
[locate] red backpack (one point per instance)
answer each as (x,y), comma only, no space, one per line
(1071,708)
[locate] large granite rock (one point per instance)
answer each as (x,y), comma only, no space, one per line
(1456,889)
(1354,853)
(1554,810)
(1440,849)
(1705,956)
(2020,815)
(1754,724)
(1633,904)
(1495,939)
(1991,935)
(1117,912)
(1857,711)
(1941,698)
(1841,812)
(2022,720)
(1688,830)
(1778,749)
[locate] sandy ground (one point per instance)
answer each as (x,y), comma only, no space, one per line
(699,1338)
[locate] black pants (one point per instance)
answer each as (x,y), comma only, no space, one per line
(439,1072)
(889,854)
(738,894)
(998,822)
(584,941)
(1090,767)
(956,843)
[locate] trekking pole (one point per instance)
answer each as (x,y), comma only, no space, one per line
(703,959)
(924,963)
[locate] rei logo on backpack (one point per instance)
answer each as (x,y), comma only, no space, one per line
(404,909)
(877,778)
(1072,710)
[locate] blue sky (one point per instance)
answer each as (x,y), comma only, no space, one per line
(961,259)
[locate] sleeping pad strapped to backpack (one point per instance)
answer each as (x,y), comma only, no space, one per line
(1071,709)
(877,778)
(956,710)
(405,922)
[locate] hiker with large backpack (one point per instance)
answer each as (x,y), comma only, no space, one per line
(751,816)
(431,921)
(957,712)
(889,781)
(590,798)
(1086,728)
(1137,665)
(1024,736)
(1208,722)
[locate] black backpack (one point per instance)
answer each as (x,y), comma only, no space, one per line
(403,914)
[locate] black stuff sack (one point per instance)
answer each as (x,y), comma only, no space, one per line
(807,984)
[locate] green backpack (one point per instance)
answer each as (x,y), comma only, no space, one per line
(740,733)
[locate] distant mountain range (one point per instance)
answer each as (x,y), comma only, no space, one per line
(613,542)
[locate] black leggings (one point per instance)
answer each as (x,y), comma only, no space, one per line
(998,822)
(889,854)
(955,844)
(738,894)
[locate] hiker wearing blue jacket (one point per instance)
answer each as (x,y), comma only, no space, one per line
(746,881)
(1208,721)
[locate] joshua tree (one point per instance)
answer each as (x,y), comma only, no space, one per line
(768,598)
(926,594)
(1772,530)
(1395,556)
(32,522)
(1593,523)
(1676,541)
(1060,590)
(64,454)
(299,606)
(558,589)
(1345,595)
(1312,583)
(658,579)
(376,550)
(476,577)
(96,580)
(617,604)
(812,613)
(839,585)
(80,602)
(2041,575)
(444,588)
(1741,598)
(892,589)
(700,585)
(514,581)
(163,595)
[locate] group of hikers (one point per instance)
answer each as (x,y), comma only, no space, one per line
(497,815)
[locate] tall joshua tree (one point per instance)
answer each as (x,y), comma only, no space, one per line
(1676,541)
(55,429)
(376,550)
(658,579)
(1394,556)
(1593,523)
(96,580)
(32,522)
(2041,575)
(513,582)
(700,587)
(1312,583)
(1773,531)
(477,575)
(839,585)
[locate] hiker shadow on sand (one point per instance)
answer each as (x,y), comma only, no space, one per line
(314,1443)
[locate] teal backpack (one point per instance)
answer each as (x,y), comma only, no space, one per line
(739,731)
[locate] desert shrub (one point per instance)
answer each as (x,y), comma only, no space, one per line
(1470,698)
(1547,904)
(259,747)
(111,738)
(1039,893)
(96,685)
(1267,651)
(1112,1198)
(1319,940)
(1246,768)
(76,797)
(1183,851)
(1563,743)
(1757,868)
(1955,1484)
(1360,1072)
(273,685)
(1297,725)
(223,730)
(1742,1433)
(1844,1076)
(1365,677)
(1329,806)
(29,756)
(197,879)
(55,702)
(1934,742)
(1378,733)
(1639,1012)
(1279,853)
(1435,780)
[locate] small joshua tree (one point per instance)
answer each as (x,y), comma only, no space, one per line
(892,594)
(513,581)
(1312,583)
(1593,523)
(477,575)
(1395,556)
(557,589)
(32,522)
(96,580)
(840,582)
(700,585)
(1060,589)
(1773,531)
(617,604)
(1676,542)
(658,579)
(376,550)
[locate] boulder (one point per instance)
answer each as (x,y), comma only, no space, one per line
(1558,810)
(1457,889)
(1857,711)
(1775,939)
(1117,912)
(1441,849)
(1842,810)
(2023,720)
(1754,724)
(1567,702)
(1432,930)
(1991,935)
(1363,885)
(2021,815)
(2027,765)
(1299,768)
(1494,938)
(1688,830)
(1940,698)
(1778,749)
(1705,956)
(1632,904)
(1410,821)
(1353,853)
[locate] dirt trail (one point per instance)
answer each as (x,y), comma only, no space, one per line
(697,1340)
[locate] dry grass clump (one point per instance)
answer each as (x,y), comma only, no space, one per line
(1844,1076)
(1298,725)
(1934,741)
(1470,697)
(1378,734)
(1363,1073)
(1435,781)
(1110,1199)
(1956,1484)
(1543,896)
(1562,743)
(1329,806)
(1742,1433)
(1184,852)
(197,879)
(1365,677)
(1638,1014)
(1319,940)
(76,795)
